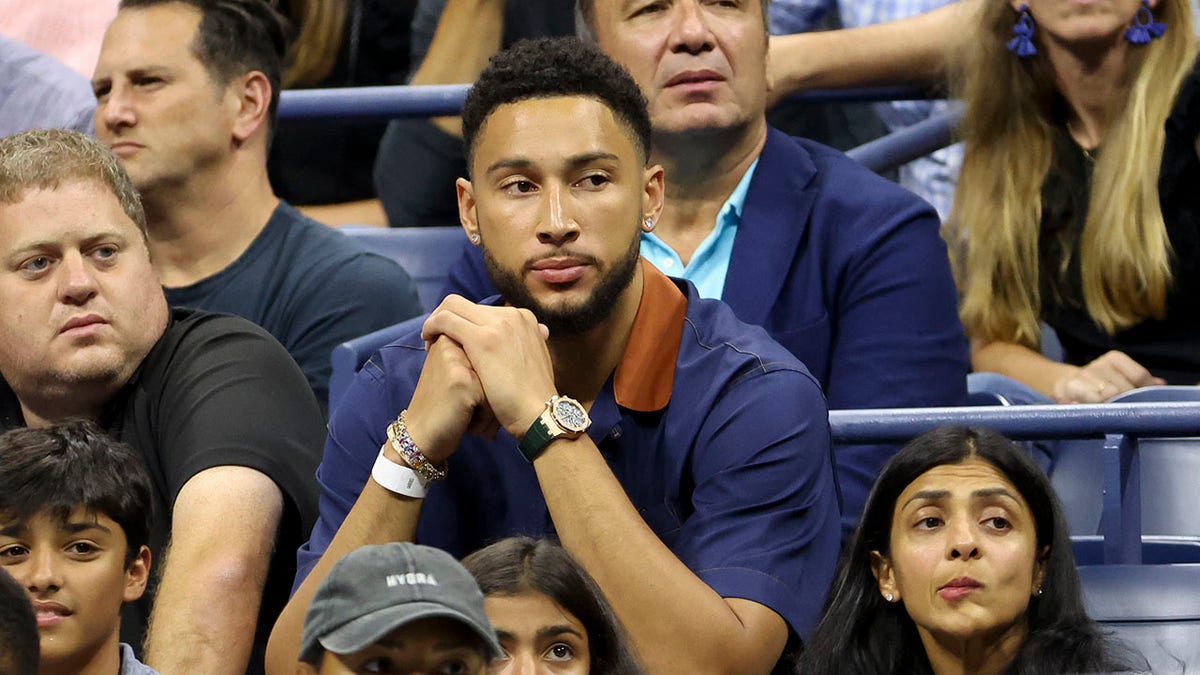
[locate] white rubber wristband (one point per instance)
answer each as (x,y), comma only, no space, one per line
(399,479)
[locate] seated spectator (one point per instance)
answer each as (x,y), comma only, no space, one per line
(1076,202)
(452,40)
(187,92)
(843,268)
(18,629)
(961,564)
(37,92)
(75,515)
(220,414)
(1082,136)
(549,615)
(397,608)
(709,459)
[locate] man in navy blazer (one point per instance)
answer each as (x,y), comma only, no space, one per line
(842,267)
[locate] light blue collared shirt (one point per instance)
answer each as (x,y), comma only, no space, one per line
(710,262)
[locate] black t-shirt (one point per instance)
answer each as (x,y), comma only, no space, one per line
(1170,347)
(216,390)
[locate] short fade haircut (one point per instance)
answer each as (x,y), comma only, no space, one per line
(585,18)
(236,37)
(550,68)
(20,644)
(44,159)
(57,469)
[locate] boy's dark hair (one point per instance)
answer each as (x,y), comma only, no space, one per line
(73,465)
(19,639)
(236,37)
(549,68)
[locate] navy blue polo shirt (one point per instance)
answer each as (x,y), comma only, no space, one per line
(719,436)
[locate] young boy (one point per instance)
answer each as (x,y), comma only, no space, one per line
(74,522)
(397,608)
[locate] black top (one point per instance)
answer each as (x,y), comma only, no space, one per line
(1169,348)
(216,390)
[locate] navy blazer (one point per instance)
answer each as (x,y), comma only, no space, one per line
(846,270)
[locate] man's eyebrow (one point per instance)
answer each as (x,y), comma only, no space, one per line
(16,529)
(573,162)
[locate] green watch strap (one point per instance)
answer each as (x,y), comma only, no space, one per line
(536,440)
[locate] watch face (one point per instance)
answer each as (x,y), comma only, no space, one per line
(570,415)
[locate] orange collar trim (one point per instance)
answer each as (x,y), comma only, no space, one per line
(646,373)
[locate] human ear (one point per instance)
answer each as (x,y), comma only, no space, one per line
(653,193)
(253,94)
(468,216)
(136,575)
(885,576)
(1039,570)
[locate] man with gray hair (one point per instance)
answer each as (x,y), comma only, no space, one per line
(222,416)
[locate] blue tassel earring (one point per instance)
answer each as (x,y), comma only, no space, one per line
(1022,41)
(1144,28)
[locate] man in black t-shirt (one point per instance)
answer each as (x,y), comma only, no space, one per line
(224,419)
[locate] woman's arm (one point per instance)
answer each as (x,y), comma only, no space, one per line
(1111,374)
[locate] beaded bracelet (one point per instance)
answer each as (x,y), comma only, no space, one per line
(402,443)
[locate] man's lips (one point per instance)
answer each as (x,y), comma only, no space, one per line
(124,147)
(49,613)
(702,76)
(82,323)
(957,589)
(558,270)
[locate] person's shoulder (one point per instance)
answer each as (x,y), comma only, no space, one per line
(850,204)
(324,255)
(718,343)
(130,664)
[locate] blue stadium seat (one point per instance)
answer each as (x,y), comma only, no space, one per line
(349,357)
(1152,608)
(1170,474)
(426,253)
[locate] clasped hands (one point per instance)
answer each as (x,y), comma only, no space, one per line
(486,368)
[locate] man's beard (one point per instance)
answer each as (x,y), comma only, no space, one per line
(571,320)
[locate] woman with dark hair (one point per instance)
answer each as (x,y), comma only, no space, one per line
(961,563)
(548,613)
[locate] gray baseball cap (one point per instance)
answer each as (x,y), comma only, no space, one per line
(376,589)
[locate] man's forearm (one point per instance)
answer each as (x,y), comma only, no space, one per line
(468,33)
(378,517)
(915,50)
(677,623)
(205,614)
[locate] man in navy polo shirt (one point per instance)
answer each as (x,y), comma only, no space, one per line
(683,457)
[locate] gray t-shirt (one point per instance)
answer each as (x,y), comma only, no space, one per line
(131,666)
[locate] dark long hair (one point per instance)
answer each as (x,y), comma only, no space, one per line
(521,564)
(862,633)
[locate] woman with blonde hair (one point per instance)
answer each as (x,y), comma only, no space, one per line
(1079,198)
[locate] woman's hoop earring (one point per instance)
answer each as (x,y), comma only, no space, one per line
(1021,43)
(1144,28)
